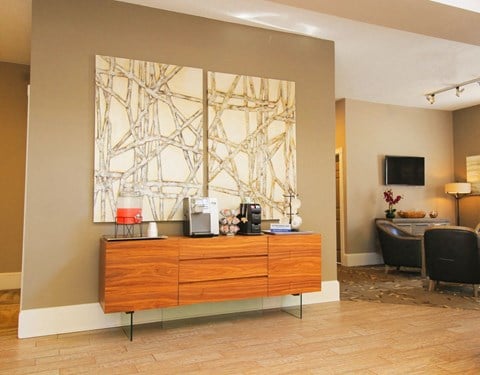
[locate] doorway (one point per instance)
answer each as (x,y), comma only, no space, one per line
(339,199)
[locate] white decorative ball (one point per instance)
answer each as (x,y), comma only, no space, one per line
(296,222)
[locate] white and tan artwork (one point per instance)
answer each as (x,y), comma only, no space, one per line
(148,136)
(473,173)
(251,141)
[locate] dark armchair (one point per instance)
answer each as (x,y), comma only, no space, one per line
(452,255)
(399,248)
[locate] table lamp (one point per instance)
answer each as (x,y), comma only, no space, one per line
(458,190)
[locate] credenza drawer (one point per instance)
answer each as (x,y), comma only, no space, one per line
(222,290)
(223,246)
(140,297)
(288,284)
(294,265)
(151,245)
(290,274)
(222,268)
(138,275)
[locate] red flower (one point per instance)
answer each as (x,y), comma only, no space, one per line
(388,196)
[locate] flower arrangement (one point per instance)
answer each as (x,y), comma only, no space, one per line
(229,222)
(391,200)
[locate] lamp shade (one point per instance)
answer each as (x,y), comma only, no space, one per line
(458,188)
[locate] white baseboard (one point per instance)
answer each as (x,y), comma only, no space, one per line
(10,280)
(75,318)
(362,259)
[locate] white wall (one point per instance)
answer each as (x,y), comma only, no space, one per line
(466,135)
(375,130)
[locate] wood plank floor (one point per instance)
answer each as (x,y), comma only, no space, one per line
(9,308)
(332,338)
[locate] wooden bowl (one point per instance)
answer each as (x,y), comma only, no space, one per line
(412,214)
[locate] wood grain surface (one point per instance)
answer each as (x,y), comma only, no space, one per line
(222,246)
(343,337)
(294,264)
(222,290)
(139,275)
(146,274)
(222,268)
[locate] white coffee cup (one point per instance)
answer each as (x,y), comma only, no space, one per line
(152,230)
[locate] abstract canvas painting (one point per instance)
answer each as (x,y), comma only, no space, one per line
(148,136)
(251,141)
(473,173)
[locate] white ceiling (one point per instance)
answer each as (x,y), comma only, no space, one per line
(473,5)
(386,51)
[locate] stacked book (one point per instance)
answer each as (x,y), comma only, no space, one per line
(280,228)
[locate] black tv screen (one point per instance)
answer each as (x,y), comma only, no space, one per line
(404,170)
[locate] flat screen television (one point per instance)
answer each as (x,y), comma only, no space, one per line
(404,170)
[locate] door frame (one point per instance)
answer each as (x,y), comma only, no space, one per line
(340,199)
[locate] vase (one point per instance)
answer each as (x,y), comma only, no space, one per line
(390,214)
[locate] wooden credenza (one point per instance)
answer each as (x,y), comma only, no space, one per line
(154,273)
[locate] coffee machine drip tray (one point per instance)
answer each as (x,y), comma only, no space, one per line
(202,234)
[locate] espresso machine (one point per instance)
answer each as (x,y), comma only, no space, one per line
(200,217)
(250,219)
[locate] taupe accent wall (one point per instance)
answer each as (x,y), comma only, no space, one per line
(467,143)
(13,129)
(61,246)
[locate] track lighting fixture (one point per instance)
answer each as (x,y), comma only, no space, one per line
(459,88)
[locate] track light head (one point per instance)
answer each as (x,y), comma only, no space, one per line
(459,90)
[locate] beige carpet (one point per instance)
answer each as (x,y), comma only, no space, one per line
(370,283)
